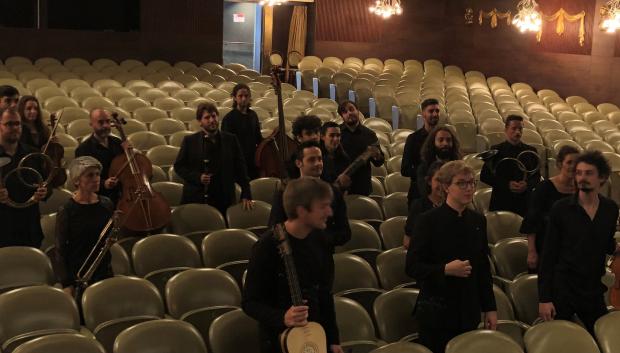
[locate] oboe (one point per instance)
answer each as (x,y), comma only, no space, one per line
(205,166)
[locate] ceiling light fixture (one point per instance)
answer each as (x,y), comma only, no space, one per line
(386,8)
(528,18)
(271,2)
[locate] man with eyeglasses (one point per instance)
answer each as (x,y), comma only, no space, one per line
(20,226)
(9,97)
(412,154)
(448,256)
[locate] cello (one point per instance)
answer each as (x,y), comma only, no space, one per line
(273,152)
(134,171)
(56,152)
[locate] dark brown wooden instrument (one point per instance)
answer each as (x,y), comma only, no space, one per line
(614,293)
(273,152)
(56,152)
(134,171)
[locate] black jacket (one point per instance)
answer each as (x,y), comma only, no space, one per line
(190,166)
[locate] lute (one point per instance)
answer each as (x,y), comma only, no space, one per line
(359,162)
(307,339)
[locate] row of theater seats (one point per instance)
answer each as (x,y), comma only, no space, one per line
(209,300)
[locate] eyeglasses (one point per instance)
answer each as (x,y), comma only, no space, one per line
(464,184)
(12,123)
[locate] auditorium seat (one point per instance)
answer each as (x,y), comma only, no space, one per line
(22,266)
(394,315)
(58,198)
(125,101)
(160,335)
(401,347)
(120,262)
(263,189)
(168,103)
(392,231)
(502,225)
(79,128)
(357,332)
(377,187)
(64,342)
(245,338)
(395,204)
(606,332)
(114,304)
(254,219)
(510,257)
(559,336)
(395,182)
(390,266)
(196,217)
(229,250)
(482,341)
(133,125)
(355,279)
(145,140)
(158,174)
(170,191)
(523,292)
(199,296)
(31,312)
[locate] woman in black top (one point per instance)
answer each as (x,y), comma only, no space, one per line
(79,223)
(424,203)
(34,131)
(542,199)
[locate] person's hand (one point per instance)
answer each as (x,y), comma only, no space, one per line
(69,290)
(126,145)
(458,268)
(532,259)
(54,139)
(336,348)
(517,187)
(490,320)
(296,316)
(205,179)
(4,195)
(110,183)
(406,241)
(344,181)
(546,311)
(40,193)
(247,204)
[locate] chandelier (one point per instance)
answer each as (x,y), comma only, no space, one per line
(271,2)
(528,18)
(610,16)
(386,8)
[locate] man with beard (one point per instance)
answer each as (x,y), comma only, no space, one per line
(335,159)
(441,145)
(210,162)
(509,195)
(305,128)
(413,146)
(103,147)
(310,163)
(20,226)
(580,233)
(355,139)
(243,122)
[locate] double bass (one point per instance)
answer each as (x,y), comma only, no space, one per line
(133,170)
(273,152)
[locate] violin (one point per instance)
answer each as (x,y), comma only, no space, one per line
(56,153)
(273,152)
(134,171)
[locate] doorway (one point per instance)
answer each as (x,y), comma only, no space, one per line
(243,27)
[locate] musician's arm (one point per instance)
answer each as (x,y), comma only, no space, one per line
(486,175)
(419,263)
(257,134)
(277,214)
(328,308)
(182,165)
(377,160)
(260,284)
(240,170)
(62,242)
(485,279)
(341,232)
(420,179)
(406,166)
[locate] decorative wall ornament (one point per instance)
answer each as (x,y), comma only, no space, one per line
(494,15)
(469,16)
(560,16)
(610,16)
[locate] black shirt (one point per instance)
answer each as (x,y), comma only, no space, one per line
(266,295)
(29,139)
(575,246)
(411,159)
(247,129)
(541,200)
(78,227)
(355,142)
(334,163)
(502,199)
(440,236)
(91,147)
(417,208)
(20,226)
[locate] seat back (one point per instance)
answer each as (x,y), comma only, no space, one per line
(392,231)
(161,336)
(65,343)
(196,217)
(402,347)
(502,225)
(393,312)
(264,188)
(363,207)
(363,236)
(395,204)
(606,331)
(352,272)
(354,323)
(227,245)
(391,268)
(222,341)
(510,257)
(480,341)
(162,251)
(559,336)
(524,295)
(200,288)
(22,266)
(238,217)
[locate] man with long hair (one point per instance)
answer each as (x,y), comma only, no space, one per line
(440,145)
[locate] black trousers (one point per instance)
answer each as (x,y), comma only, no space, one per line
(436,339)
(588,308)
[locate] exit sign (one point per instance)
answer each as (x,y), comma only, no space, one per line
(238,17)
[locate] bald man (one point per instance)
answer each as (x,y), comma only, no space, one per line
(103,147)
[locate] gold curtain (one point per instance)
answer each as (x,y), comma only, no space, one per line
(494,15)
(561,15)
(298,30)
